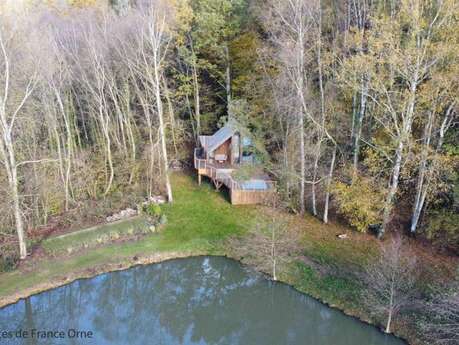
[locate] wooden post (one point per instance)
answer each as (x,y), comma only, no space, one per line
(199,178)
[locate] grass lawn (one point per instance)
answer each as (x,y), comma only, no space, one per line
(198,220)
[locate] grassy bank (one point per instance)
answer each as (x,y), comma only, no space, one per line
(199,221)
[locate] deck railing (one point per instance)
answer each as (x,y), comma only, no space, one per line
(224,176)
(270,184)
(199,163)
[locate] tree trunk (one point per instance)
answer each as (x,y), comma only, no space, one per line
(197,100)
(300,86)
(104,120)
(68,151)
(359,124)
(9,160)
(329,180)
(392,188)
(314,176)
(405,132)
(389,321)
(302,165)
(228,76)
(423,185)
(171,112)
(273,252)
(18,215)
(159,106)
(391,307)
(322,114)
(419,200)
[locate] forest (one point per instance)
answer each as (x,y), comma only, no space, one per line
(353,105)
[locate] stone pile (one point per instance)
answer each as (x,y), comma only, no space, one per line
(129,212)
(156,199)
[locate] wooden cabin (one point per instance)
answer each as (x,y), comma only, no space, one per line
(220,155)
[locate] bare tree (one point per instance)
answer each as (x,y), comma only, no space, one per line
(17,86)
(429,166)
(268,245)
(390,281)
(290,27)
(155,39)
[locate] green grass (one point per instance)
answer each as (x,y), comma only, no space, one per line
(89,237)
(336,290)
(199,220)
(201,217)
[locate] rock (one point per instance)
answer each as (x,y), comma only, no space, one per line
(129,212)
(342,236)
(176,165)
(162,219)
(158,199)
(152,228)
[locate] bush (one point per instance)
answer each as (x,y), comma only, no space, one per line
(9,257)
(152,210)
(443,229)
(359,202)
(114,235)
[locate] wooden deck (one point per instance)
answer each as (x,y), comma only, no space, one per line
(221,175)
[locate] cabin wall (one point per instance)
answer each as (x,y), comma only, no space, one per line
(224,149)
(246,197)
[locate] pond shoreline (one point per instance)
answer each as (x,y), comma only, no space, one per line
(190,232)
(159,258)
(93,272)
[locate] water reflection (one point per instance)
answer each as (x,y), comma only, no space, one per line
(191,301)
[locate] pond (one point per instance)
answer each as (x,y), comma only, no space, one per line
(202,300)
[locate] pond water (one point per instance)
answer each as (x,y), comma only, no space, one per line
(203,300)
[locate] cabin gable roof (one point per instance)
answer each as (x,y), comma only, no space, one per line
(211,143)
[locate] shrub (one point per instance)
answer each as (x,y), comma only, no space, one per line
(152,210)
(443,229)
(114,235)
(9,257)
(359,202)
(103,238)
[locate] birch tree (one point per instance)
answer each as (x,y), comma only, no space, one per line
(290,26)
(390,281)
(269,245)
(17,86)
(157,37)
(405,51)
(430,160)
